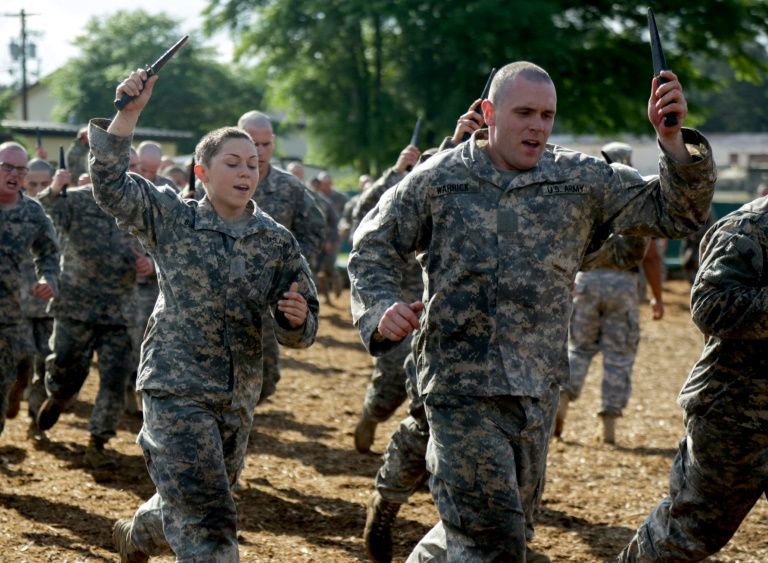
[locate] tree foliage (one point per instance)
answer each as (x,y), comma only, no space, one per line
(361,70)
(734,104)
(194,93)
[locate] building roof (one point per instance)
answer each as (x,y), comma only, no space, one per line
(52,128)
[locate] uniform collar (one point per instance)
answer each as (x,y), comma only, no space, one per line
(477,161)
(207,219)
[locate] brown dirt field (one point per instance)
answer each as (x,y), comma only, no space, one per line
(305,487)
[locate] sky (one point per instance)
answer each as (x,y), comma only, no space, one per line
(56,23)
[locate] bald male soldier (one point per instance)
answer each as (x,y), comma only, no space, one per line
(24,229)
(38,321)
(150,156)
(500,225)
(284,198)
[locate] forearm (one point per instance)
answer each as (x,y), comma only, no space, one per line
(124,123)
(654,271)
(676,148)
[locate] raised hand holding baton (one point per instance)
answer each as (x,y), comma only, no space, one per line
(659,63)
(415,139)
(153,69)
(483,96)
(62,166)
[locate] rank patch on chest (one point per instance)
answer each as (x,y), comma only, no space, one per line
(448,189)
(565,189)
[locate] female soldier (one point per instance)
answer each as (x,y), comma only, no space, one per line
(220,263)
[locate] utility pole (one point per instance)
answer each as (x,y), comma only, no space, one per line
(22,53)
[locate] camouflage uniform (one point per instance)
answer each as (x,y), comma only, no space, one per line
(77,159)
(606,319)
(720,470)
(403,469)
(370,197)
(38,328)
(386,391)
(326,262)
(284,198)
(140,307)
(200,369)
(689,248)
(24,228)
(339,200)
(98,273)
(346,220)
(500,253)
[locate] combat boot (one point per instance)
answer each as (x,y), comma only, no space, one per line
(49,413)
(378,528)
(14,398)
(562,410)
(121,538)
(533,556)
(364,433)
(35,434)
(609,428)
(96,457)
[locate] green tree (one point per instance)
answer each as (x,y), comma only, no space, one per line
(734,104)
(194,93)
(361,70)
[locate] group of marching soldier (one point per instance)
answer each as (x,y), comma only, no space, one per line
(485,275)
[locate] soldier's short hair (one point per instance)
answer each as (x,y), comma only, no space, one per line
(173,170)
(210,145)
(254,120)
(149,148)
(40,165)
(508,73)
(617,152)
(12,145)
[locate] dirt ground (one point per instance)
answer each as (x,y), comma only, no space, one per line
(304,487)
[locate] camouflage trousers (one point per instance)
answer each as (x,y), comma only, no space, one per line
(404,469)
(270,354)
(12,345)
(605,319)
(486,457)
(73,344)
(719,473)
(386,391)
(38,334)
(193,452)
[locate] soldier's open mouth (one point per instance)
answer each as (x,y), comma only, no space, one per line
(242,188)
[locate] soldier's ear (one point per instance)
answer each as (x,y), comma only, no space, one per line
(488,112)
(200,173)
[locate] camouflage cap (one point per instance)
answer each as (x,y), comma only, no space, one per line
(617,152)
